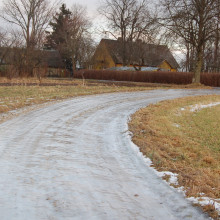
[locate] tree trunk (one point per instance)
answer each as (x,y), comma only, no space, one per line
(198,67)
(199,50)
(187,65)
(216,47)
(124,52)
(73,66)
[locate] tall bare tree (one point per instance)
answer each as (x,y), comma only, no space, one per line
(8,41)
(128,20)
(30,16)
(193,21)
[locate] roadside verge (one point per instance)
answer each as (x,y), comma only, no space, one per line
(181,137)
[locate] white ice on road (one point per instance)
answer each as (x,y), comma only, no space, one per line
(74,160)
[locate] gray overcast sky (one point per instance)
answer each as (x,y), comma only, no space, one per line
(91,5)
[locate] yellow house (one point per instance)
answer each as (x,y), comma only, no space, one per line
(138,54)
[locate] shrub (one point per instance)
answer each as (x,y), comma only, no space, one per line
(209,79)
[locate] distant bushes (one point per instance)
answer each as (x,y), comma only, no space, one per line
(209,79)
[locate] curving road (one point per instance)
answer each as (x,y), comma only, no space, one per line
(74,160)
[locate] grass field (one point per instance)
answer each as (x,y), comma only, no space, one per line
(183,141)
(18,93)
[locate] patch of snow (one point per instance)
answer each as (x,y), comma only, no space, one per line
(136,149)
(173,177)
(181,190)
(198,107)
(206,201)
(176,125)
(201,194)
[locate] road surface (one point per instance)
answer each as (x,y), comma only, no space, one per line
(74,160)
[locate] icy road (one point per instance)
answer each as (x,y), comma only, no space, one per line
(74,160)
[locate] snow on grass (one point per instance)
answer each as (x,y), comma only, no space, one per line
(203,201)
(176,125)
(135,148)
(198,107)
(173,177)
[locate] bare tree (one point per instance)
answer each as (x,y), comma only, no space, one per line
(79,40)
(217,36)
(129,20)
(212,50)
(8,40)
(4,44)
(30,16)
(86,51)
(193,21)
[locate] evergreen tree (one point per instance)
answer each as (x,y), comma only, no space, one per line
(57,39)
(70,35)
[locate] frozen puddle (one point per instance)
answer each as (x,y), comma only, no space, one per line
(74,160)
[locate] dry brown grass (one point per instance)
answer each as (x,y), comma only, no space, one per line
(183,142)
(18,93)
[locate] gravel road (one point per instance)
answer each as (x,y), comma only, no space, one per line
(74,160)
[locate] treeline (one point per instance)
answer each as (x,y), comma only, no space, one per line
(180,78)
(191,27)
(39,26)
